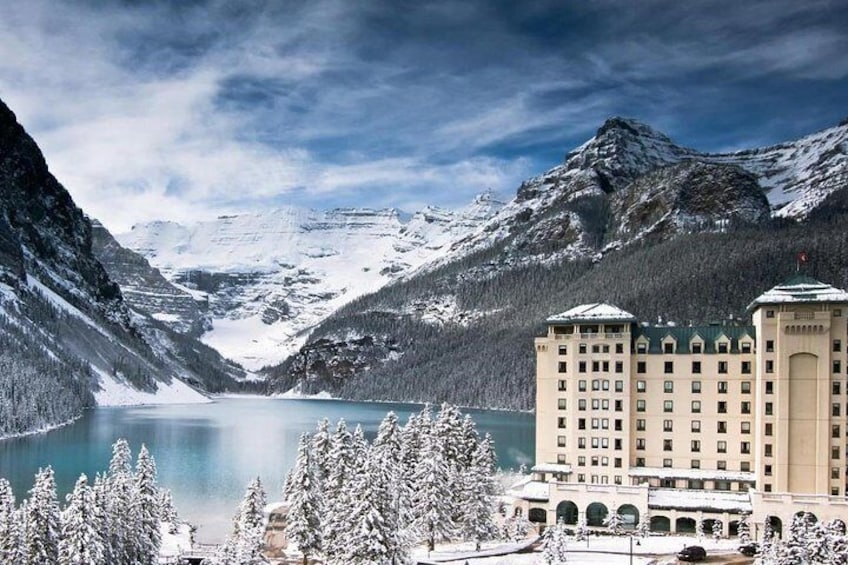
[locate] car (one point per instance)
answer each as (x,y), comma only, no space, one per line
(749,549)
(692,553)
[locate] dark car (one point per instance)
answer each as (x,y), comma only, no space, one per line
(692,553)
(749,549)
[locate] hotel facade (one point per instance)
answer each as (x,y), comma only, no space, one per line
(679,425)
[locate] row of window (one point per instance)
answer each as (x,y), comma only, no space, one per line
(695,426)
(695,407)
(722,386)
(695,446)
(697,366)
(696,347)
(669,347)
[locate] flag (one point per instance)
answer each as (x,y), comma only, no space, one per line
(802,257)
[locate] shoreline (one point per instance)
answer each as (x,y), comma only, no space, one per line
(45,429)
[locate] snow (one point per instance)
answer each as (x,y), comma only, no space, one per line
(592,312)
(802,291)
(62,304)
(697,474)
(165,317)
(551,468)
(683,499)
(251,342)
(531,490)
(173,545)
(114,393)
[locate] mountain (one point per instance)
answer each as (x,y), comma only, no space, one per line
(68,340)
(270,277)
(629,218)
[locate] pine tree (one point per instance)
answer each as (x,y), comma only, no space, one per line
(336,491)
(433,518)
(767,545)
(390,493)
(837,543)
(119,496)
(82,541)
(303,523)
(10,531)
(249,529)
(699,529)
(717,529)
(167,510)
(582,527)
(146,509)
(555,550)
(644,526)
(321,450)
(744,529)
(101,500)
(478,497)
(42,521)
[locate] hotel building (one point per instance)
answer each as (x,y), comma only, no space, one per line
(678,425)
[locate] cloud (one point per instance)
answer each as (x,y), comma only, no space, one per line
(184,110)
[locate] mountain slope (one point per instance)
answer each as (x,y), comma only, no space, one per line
(68,338)
(629,218)
(271,277)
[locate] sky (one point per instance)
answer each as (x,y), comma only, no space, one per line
(185,110)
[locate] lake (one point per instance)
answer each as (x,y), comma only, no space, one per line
(207,453)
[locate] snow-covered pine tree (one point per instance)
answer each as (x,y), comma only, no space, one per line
(10,525)
(837,543)
(101,499)
(614,522)
(119,492)
(303,523)
(82,541)
(477,498)
(321,450)
(643,528)
(795,547)
(818,542)
(699,529)
(744,529)
(42,521)
(336,491)
(391,492)
(244,547)
(516,528)
(717,529)
(359,448)
(167,510)
(409,457)
(146,508)
(432,515)
(582,527)
(555,551)
(768,541)
(449,431)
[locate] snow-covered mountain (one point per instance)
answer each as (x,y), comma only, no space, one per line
(270,277)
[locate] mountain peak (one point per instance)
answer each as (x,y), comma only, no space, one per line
(629,127)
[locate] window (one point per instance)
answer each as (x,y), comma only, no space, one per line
(581,423)
(769,366)
(563,350)
(619,425)
(604,384)
(641,347)
(560,441)
(581,348)
(561,422)
(619,367)
(767,450)
(561,403)
(667,463)
(581,478)
(696,347)
(721,427)
(596,384)
(581,367)
(640,425)
(619,348)
(596,366)
(641,386)
(616,462)
(668,483)
(745,447)
(696,446)
(668,426)
(640,461)
(668,386)
(722,367)
(745,407)
(834,453)
(835,409)
(668,367)
(596,423)
(581,386)
(769,430)
(605,348)
(721,465)
(746,347)
(619,406)
(668,406)
(596,349)
(696,406)
(695,483)
(561,458)
(834,472)
(617,444)
(696,387)
(561,385)
(837,367)
(769,387)
(746,387)
(834,431)
(745,428)
(596,443)
(837,387)
(769,345)
(581,404)
(767,488)
(668,347)
(837,312)
(721,446)
(640,405)
(769,409)
(746,367)
(696,367)
(745,466)
(722,407)
(722,387)
(640,444)
(581,461)
(581,443)
(837,346)
(640,367)
(696,426)
(722,347)
(769,313)
(667,445)
(563,367)
(695,464)
(619,386)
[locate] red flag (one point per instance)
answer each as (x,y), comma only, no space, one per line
(802,257)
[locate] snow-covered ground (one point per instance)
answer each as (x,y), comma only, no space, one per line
(174,544)
(114,393)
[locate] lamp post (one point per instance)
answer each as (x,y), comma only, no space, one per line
(631,548)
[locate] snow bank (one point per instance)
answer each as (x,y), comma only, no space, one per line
(114,393)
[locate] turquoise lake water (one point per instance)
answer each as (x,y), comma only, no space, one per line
(207,453)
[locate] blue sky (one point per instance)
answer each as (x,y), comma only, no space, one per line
(187,109)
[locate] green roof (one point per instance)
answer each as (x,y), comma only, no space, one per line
(683,335)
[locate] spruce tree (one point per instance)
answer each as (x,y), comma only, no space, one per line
(321,450)
(146,509)
(744,529)
(555,550)
(477,498)
(119,492)
(717,529)
(82,541)
(303,523)
(373,538)
(433,518)
(614,522)
(10,525)
(167,510)
(42,521)
(336,491)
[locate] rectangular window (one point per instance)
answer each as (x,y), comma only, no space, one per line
(834,453)
(695,484)
(619,386)
(837,312)
(581,461)
(619,367)
(619,424)
(696,406)
(563,350)
(596,384)
(696,367)
(695,464)
(668,426)
(596,443)
(696,426)
(837,346)
(640,444)
(640,367)
(721,465)
(641,347)
(641,386)
(581,348)
(581,423)
(722,347)
(746,387)
(619,348)
(667,445)
(581,404)
(746,367)
(581,386)
(722,387)
(640,425)
(835,431)
(596,366)
(769,313)
(721,446)
(668,367)
(581,367)
(561,441)
(562,367)
(696,446)
(617,444)
(769,428)
(722,367)
(769,387)
(769,366)
(745,407)
(668,483)
(561,422)
(721,427)
(745,466)
(767,450)
(604,384)
(640,405)
(837,367)
(668,347)
(616,462)
(769,409)
(667,463)
(561,458)
(619,406)
(581,477)
(746,347)
(561,385)
(605,349)
(769,346)
(745,447)
(836,388)
(668,406)
(722,407)
(581,443)
(668,386)
(834,472)
(767,470)
(596,423)
(745,427)
(640,461)
(835,409)
(561,404)
(696,387)
(696,348)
